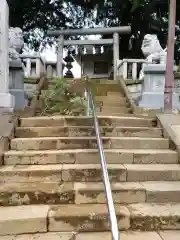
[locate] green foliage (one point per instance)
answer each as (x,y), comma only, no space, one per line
(35,17)
(136,4)
(31,80)
(60,100)
(152,13)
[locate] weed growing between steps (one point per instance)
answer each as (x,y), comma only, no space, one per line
(61,99)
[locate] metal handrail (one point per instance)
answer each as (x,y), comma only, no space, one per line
(110,203)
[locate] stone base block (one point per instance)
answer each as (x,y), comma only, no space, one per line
(19,96)
(155,100)
(7,101)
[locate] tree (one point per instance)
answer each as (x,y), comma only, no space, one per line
(144,16)
(35,17)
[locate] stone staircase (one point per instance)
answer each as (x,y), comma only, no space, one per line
(110,100)
(51,182)
(112,104)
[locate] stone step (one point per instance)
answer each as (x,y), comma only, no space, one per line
(99,90)
(100,100)
(115,111)
(113,114)
(90,218)
(86,218)
(124,115)
(104,92)
(91,156)
(47,143)
(94,217)
(89,173)
(44,236)
(55,100)
(104,89)
(128,192)
(23,219)
(105,82)
(109,103)
(100,110)
(168,235)
(107,100)
(162,192)
(74,131)
(113,94)
(154,216)
(128,235)
(63,218)
(26,193)
(104,108)
(152,172)
(124,235)
(30,193)
(127,120)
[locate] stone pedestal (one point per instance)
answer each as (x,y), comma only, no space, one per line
(16,83)
(153,88)
(7,102)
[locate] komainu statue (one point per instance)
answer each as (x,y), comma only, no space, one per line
(153,51)
(16,43)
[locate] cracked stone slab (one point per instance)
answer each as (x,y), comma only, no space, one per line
(92,172)
(152,216)
(14,157)
(12,194)
(85,217)
(123,192)
(45,143)
(31,173)
(74,131)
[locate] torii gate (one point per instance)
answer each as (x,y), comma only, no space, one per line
(116,31)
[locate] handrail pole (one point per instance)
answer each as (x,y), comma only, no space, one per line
(88,105)
(86,95)
(111,209)
(110,203)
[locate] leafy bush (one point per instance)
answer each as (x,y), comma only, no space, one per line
(60,99)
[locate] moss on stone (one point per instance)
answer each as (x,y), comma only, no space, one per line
(132,82)
(31,80)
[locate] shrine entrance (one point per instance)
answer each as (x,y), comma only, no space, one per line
(98,65)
